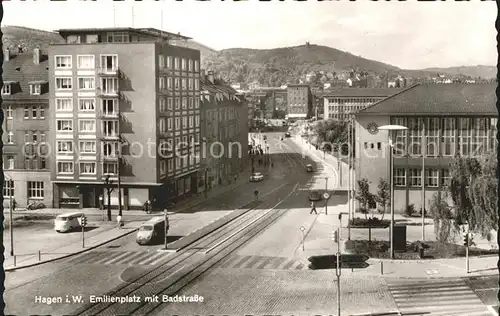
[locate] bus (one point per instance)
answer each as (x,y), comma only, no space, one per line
(152,231)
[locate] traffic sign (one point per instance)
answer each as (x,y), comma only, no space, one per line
(326,196)
(302,228)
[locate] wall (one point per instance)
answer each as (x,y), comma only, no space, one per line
(21,179)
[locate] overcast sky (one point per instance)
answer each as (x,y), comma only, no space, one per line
(410,35)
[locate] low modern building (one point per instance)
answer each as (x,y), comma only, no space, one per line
(124,104)
(25,95)
(224,130)
(299,102)
(442,120)
(338,104)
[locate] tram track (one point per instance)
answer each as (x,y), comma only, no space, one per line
(171,278)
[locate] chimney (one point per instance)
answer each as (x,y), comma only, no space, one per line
(6,55)
(210,76)
(36,56)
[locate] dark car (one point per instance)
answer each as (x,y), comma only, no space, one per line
(287,134)
(315,196)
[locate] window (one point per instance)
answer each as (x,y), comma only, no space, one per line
(42,138)
(162,125)
(43,163)
(431,178)
(163,105)
(465,136)
(34,137)
(445,177)
(109,63)
(9,111)
(196,84)
(87,147)
(184,64)
(87,105)
(64,125)
(35,189)
(169,61)
(197,120)
(6,89)
(65,167)
(196,65)
(28,164)
(480,141)
(176,84)
(8,188)
(63,61)
(161,83)
(110,128)
(169,83)
(86,62)
(87,168)
(35,89)
(448,136)
(431,136)
(190,65)
(109,168)
(10,137)
(109,107)
(190,84)
(109,85)
(196,103)
(184,84)
(191,121)
(86,126)
(41,112)
(161,61)
(177,123)
(64,105)
(9,162)
(176,63)
(169,123)
(170,102)
(163,166)
(191,102)
(184,103)
(492,144)
(415,130)
(33,112)
(170,165)
(64,146)
(86,83)
(184,122)
(177,103)
(110,149)
(64,83)
(415,177)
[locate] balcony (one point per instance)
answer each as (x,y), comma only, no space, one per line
(110,115)
(110,156)
(108,93)
(108,72)
(110,136)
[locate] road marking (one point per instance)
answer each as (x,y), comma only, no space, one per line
(161,258)
(153,258)
(117,258)
(492,310)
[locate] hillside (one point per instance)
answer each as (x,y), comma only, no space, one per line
(486,72)
(205,51)
(28,38)
(286,65)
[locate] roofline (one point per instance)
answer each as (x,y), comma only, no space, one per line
(389,97)
(146,31)
(430,114)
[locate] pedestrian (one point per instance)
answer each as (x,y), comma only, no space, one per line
(313,208)
(119,221)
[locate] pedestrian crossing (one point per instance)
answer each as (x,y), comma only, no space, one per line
(438,297)
(130,258)
(261,263)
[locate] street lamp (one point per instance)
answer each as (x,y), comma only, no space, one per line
(391,128)
(11,221)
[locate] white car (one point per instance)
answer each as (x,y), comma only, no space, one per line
(256,177)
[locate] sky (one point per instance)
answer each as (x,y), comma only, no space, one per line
(409,35)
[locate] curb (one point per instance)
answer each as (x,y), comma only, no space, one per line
(72,254)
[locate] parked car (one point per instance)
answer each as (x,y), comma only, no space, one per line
(287,134)
(309,168)
(315,196)
(256,177)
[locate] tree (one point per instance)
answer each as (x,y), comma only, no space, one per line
(383,196)
(473,190)
(363,195)
(442,216)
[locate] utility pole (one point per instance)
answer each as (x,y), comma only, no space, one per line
(11,220)
(119,184)
(349,197)
(424,153)
(326,191)
(166,223)
(338,271)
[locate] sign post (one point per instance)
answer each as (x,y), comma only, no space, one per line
(338,272)
(302,229)
(166,227)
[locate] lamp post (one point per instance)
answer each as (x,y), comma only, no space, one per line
(11,221)
(391,128)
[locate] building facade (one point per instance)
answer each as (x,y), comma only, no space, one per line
(224,133)
(338,104)
(299,102)
(25,97)
(442,120)
(124,104)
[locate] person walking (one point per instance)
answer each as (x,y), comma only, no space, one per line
(119,221)
(313,208)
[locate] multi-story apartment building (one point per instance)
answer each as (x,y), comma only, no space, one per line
(442,121)
(299,101)
(225,133)
(124,103)
(339,103)
(25,137)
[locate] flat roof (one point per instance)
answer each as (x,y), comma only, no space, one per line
(146,31)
